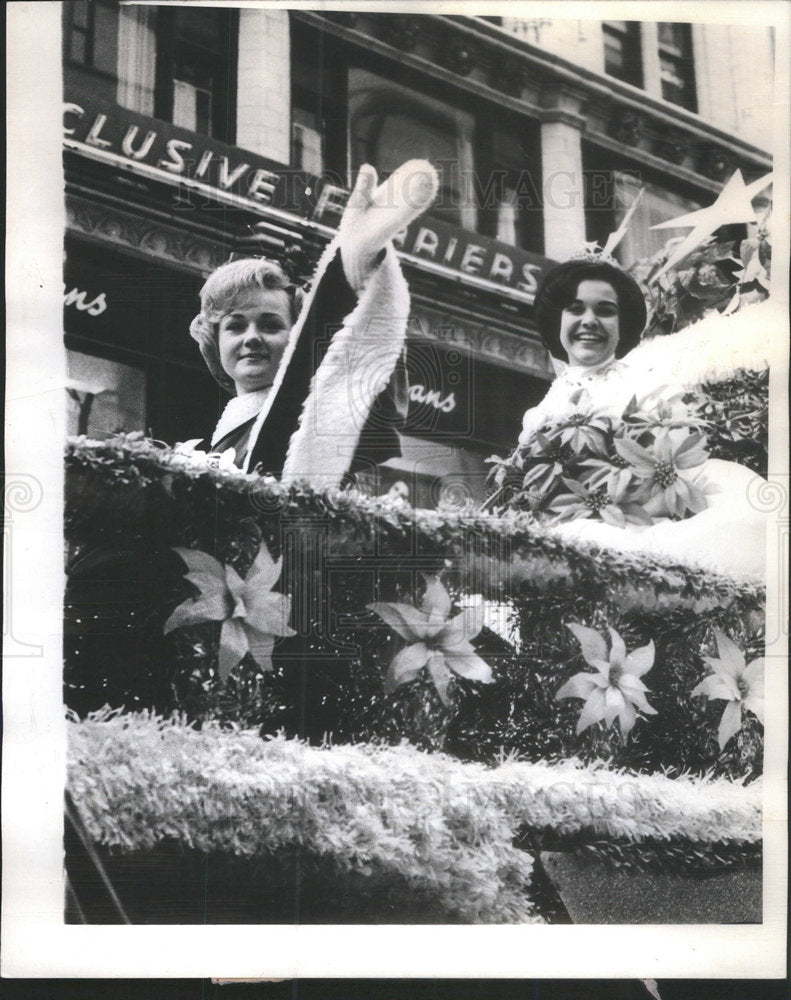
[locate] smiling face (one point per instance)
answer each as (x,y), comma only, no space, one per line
(252,337)
(589,328)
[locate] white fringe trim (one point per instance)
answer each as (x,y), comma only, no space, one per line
(356,368)
(716,347)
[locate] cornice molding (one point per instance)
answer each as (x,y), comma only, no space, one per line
(516,75)
(145,238)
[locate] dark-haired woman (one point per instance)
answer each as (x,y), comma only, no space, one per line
(590,315)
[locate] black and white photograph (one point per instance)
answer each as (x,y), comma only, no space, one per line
(396,512)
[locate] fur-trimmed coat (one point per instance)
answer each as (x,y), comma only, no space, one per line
(340,396)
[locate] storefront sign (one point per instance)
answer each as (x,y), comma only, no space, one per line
(87,302)
(472,254)
(459,400)
(202,166)
(432,397)
(171,152)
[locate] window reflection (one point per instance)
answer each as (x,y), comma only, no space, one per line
(389,124)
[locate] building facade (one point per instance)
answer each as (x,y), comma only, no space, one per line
(188,128)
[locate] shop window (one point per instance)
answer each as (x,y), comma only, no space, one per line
(676,67)
(104,396)
(90,34)
(622,57)
(196,69)
(390,123)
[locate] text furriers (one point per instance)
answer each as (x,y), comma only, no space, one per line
(470,254)
(171,154)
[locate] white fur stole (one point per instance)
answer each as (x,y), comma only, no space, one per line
(356,368)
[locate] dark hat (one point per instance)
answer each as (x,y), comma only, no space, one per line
(559,289)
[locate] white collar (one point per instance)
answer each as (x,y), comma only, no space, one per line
(238,411)
(578,373)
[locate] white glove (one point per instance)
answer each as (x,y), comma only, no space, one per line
(374,215)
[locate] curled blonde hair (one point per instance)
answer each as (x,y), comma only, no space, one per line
(220,290)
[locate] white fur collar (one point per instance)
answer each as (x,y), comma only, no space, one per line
(238,411)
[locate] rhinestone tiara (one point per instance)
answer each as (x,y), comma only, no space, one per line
(594,254)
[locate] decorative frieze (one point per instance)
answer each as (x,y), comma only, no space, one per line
(671,144)
(460,55)
(716,163)
(509,76)
(402,31)
(627,127)
(142,236)
(481,341)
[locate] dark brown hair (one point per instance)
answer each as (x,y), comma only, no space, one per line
(559,289)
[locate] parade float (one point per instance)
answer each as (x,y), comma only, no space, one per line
(295,705)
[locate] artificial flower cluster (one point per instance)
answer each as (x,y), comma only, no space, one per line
(253,617)
(251,614)
(717,276)
(434,640)
(616,691)
(622,470)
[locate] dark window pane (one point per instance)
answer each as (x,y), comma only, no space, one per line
(105,38)
(77,47)
(622,55)
(79,14)
(202,27)
(671,35)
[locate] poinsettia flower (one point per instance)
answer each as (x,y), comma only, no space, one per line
(546,461)
(615,691)
(435,641)
(582,427)
(742,686)
(190,455)
(613,474)
(583,501)
(662,407)
(252,616)
(661,470)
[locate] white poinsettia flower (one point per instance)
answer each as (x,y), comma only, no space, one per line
(252,616)
(615,691)
(732,680)
(435,641)
(663,469)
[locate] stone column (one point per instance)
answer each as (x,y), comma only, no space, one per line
(263,104)
(563,186)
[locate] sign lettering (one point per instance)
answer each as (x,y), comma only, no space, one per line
(420,394)
(176,155)
(76,298)
(471,253)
